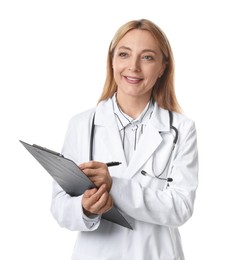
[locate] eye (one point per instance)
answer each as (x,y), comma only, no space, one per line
(123,54)
(148,57)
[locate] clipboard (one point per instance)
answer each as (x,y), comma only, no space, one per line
(70,177)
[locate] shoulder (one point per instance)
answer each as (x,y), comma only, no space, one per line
(184,125)
(182,121)
(82,117)
(85,118)
(80,122)
(186,128)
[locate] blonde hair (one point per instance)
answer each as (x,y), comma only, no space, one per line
(163,91)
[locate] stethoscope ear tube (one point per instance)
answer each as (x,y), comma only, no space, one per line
(176,134)
(91,139)
(173,127)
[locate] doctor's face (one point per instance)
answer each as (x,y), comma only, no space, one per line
(137,64)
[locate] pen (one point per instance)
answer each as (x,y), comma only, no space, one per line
(109,164)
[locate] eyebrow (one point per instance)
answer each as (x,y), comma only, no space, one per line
(145,50)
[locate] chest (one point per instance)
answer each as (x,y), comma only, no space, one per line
(157,163)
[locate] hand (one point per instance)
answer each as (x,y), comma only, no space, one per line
(98,173)
(96,201)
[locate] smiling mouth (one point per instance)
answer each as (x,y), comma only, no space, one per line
(133,80)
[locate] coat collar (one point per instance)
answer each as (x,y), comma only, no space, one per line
(149,142)
(105,116)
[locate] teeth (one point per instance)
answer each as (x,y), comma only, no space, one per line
(133,79)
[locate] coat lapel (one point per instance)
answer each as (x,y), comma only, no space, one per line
(106,118)
(149,142)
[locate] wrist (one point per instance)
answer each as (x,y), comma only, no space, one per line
(88,213)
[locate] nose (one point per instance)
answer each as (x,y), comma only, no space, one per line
(134,69)
(134,65)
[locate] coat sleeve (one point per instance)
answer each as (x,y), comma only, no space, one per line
(68,211)
(172,206)
(65,209)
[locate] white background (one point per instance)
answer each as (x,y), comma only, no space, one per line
(52,66)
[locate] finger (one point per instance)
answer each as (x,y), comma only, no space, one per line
(101,202)
(107,206)
(90,172)
(86,165)
(96,171)
(90,192)
(95,203)
(91,164)
(100,205)
(91,196)
(98,175)
(94,195)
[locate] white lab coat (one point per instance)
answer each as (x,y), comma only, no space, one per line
(154,210)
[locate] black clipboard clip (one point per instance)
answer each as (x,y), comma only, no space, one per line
(47,150)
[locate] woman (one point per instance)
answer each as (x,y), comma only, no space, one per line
(154,186)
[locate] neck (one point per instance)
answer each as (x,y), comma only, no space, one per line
(132,106)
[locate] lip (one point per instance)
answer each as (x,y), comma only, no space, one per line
(132,80)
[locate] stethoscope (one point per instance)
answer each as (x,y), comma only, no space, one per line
(175,139)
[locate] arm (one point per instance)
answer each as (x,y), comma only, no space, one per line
(67,210)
